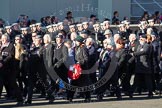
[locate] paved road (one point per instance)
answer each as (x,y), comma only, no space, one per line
(109,102)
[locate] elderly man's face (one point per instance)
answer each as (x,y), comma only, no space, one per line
(4,39)
(45,40)
(88,42)
(142,41)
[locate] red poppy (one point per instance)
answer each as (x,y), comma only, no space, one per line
(75,73)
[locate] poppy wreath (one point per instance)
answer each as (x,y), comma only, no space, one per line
(75,72)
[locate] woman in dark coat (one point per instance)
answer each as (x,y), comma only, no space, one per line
(122,69)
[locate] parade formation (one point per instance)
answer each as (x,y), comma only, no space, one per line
(79,58)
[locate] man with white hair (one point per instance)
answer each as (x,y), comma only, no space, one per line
(105,57)
(133,42)
(116,37)
(155,59)
(47,53)
(149,31)
(133,45)
(92,57)
(7,51)
(72,38)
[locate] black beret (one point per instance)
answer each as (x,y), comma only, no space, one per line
(143,36)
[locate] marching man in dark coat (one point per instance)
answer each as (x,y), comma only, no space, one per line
(7,76)
(143,65)
(59,58)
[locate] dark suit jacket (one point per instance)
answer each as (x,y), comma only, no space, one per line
(59,60)
(143,62)
(60,55)
(7,54)
(48,54)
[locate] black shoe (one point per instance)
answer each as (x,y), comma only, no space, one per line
(70,100)
(87,100)
(119,98)
(28,102)
(47,98)
(130,95)
(99,98)
(150,96)
(51,100)
(19,103)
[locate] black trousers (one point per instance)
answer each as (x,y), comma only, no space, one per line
(35,76)
(93,77)
(18,74)
(147,78)
(10,78)
(112,81)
